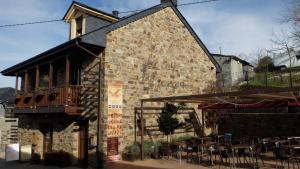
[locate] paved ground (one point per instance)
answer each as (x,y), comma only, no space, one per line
(147,164)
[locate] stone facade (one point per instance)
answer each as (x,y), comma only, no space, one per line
(154,56)
(62,135)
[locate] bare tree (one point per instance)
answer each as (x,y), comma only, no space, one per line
(283,43)
(292,16)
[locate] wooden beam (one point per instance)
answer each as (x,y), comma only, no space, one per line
(17,83)
(223,94)
(67,80)
(273,96)
(26,82)
(67,71)
(142,130)
(160,108)
(157,113)
(37,77)
(50,75)
(135,126)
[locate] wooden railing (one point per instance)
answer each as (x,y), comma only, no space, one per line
(58,96)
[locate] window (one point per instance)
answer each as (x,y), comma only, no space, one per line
(79,26)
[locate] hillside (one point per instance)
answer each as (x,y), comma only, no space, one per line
(7,94)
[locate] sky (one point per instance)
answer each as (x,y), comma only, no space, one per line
(238,27)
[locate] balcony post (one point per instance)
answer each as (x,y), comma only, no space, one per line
(26,82)
(17,82)
(50,75)
(37,77)
(67,78)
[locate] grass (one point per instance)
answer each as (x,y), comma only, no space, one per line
(275,79)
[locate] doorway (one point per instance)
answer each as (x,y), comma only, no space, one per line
(47,131)
(83,144)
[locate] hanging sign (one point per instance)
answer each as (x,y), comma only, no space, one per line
(115,114)
(114,117)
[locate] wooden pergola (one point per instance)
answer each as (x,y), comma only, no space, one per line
(251,98)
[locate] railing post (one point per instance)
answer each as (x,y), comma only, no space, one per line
(67,79)
(37,77)
(142,130)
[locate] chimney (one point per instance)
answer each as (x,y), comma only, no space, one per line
(173,1)
(115,13)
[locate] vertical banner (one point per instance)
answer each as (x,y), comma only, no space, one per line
(115,114)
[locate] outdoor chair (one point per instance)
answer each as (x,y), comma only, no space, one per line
(267,145)
(226,154)
(281,155)
(165,150)
(176,149)
(243,153)
(191,150)
(257,153)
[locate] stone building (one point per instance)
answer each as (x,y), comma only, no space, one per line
(234,70)
(80,96)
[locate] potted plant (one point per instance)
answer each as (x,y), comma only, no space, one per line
(39,91)
(132,152)
(167,123)
(152,149)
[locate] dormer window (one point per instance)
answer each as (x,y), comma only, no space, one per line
(79,26)
(83,19)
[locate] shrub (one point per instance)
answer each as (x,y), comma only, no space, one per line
(151,149)
(131,152)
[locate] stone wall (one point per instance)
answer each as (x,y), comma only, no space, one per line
(225,78)
(237,73)
(154,56)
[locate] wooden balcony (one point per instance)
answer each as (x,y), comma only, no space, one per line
(65,99)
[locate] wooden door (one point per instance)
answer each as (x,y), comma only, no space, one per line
(47,130)
(83,144)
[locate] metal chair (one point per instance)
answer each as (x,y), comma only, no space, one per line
(281,154)
(257,153)
(226,154)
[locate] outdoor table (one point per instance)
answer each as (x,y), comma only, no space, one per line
(294,147)
(237,147)
(291,149)
(209,146)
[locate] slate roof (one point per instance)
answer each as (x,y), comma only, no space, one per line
(91,8)
(233,57)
